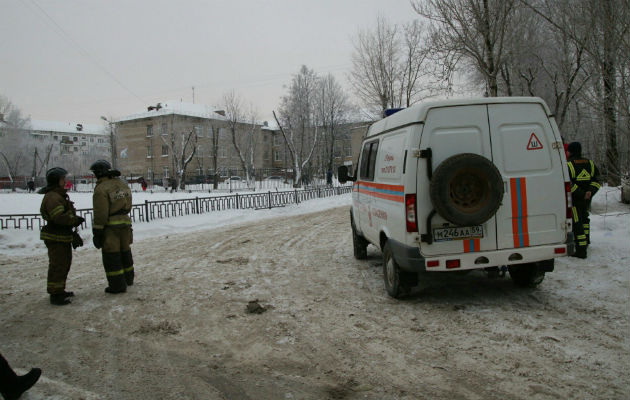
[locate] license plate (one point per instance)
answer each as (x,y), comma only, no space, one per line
(459,233)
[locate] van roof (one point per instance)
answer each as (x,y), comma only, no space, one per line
(418,112)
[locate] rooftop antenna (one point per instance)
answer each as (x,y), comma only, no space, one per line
(193,88)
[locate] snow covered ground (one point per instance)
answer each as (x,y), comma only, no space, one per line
(330,331)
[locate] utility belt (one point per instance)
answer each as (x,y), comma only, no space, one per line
(122,211)
(56,233)
(118,219)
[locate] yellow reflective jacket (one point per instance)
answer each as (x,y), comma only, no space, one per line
(60,216)
(112,203)
(584,178)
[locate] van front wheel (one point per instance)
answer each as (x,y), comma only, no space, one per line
(358,243)
(397,281)
(526,275)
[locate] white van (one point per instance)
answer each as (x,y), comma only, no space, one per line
(463,184)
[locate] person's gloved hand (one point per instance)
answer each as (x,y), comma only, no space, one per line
(79,221)
(98,238)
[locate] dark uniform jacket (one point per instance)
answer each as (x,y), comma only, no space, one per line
(60,216)
(112,203)
(584,178)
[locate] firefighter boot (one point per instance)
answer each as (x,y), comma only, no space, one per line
(11,385)
(115,273)
(59,299)
(127,263)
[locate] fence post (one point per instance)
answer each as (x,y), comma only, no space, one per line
(146,211)
(270,199)
(297,201)
(237,205)
(197,204)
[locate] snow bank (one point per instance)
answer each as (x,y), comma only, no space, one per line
(22,242)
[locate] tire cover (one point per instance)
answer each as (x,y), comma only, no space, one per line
(466,189)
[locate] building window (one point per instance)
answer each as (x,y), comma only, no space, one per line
(55,137)
(277,156)
(75,148)
(149,130)
(100,140)
(198,131)
(222,152)
(221,133)
(75,139)
(164,150)
(164,172)
(164,129)
(277,140)
(91,140)
(149,150)
(150,174)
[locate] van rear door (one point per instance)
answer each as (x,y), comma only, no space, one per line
(533,210)
(449,131)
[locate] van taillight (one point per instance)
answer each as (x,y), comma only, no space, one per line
(569,201)
(410,213)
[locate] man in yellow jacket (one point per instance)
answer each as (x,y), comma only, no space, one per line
(112,226)
(60,216)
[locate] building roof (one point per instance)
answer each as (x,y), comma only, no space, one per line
(68,127)
(270,126)
(177,108)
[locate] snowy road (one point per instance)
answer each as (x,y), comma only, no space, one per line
(330,330)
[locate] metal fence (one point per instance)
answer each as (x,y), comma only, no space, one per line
(151,210)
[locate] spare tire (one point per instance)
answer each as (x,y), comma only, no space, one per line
(466,189)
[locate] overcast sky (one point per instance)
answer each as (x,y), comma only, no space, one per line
(75,60)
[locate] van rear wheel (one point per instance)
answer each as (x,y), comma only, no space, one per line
(466,189)
(526,275)
(397,281)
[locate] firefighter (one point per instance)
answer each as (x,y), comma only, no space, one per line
(60,216)
(584,184)
(112,226)
(12,386)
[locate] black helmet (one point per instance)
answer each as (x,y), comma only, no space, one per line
(53,175)
(100,168)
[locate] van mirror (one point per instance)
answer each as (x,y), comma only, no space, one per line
(342,175)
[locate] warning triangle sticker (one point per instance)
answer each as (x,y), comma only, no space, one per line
(534,143)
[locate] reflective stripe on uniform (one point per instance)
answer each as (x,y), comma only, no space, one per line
(582,243)
(596,185)
(575,215)
(98,226)
(115,273)
(129,269)
(571,170)
(55,238)
(56,211)
(121,222)
(56,285)
(574,188)
(592,168)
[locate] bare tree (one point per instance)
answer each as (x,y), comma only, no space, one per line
(601,28)
(388,65)
(470,30)
(244,129)
(331,111)
(183,148)
(296,120)
(14,139)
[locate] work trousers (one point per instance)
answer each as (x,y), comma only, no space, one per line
(117,258)
(59,260)
(581,228)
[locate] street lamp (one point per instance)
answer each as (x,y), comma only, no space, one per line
(112,141)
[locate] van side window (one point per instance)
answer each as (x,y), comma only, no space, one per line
(368,161)
(365,155)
